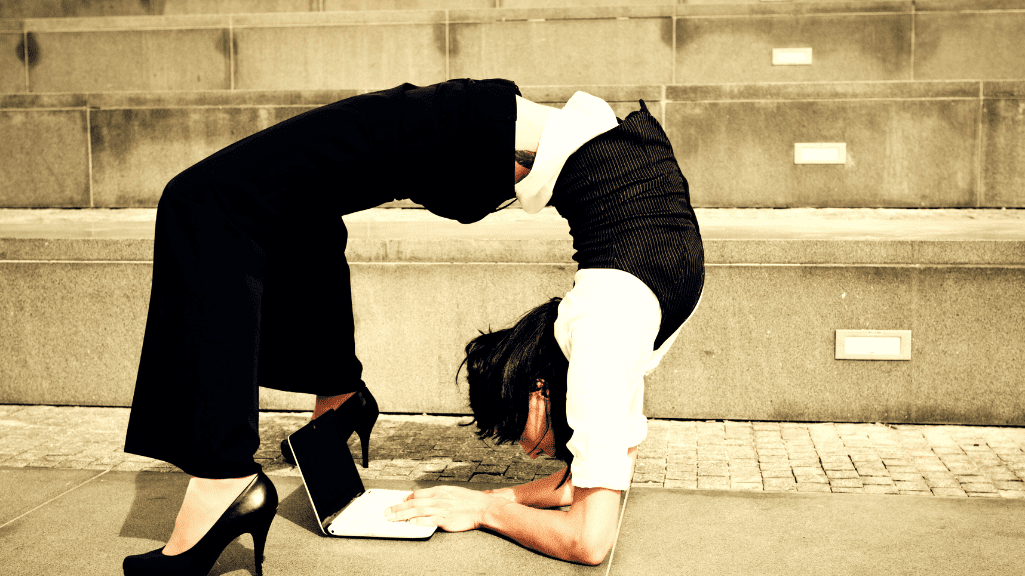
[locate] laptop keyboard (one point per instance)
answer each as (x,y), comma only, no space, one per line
(365,517)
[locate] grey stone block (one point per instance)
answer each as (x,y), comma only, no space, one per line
(900,153)
(12,62)
(972,325)
(1003,154)
(603,11)
(46,158)
(76,332)
(844,91)
(339,56)
(849,47)
(585,51)
(63,9)
(600,4)
(135,152)
(790,347)
(110,8)
(218,98)
(958,44)
(709,8)
(131,59)
(455,300)
(131,22)
(237,6)
(960,5)
(330,5)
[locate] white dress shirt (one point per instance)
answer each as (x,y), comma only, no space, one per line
(606,325)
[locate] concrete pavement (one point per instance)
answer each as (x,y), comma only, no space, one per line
(708,498)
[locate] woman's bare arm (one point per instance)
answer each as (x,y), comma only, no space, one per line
(584,533)
(543,493)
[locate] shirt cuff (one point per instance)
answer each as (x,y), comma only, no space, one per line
(612,472)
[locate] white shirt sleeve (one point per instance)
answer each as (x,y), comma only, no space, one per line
(606,327)
(566,130)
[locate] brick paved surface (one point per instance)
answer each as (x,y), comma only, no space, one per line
(943,461)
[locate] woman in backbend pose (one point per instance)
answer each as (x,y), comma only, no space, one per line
(567,379)
(242,296)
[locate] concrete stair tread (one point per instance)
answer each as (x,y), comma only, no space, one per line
(173,14)
(843,236)
(716,223)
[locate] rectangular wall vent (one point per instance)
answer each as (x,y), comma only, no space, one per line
(820,153)
(873,345)
(791,56)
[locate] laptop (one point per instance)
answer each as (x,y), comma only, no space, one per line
(343,507)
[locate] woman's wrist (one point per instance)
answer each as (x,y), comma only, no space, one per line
(489,513)
(505,493)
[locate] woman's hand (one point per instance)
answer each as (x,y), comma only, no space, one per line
(450,508)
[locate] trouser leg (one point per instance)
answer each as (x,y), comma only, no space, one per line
(195,401)
(230,312)
(250,288)
(308,335)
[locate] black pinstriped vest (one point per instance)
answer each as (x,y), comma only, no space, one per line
(628,207)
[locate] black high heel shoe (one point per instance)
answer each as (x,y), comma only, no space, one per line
(360,412)
(252,512)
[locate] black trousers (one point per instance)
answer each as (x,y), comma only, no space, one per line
(250,288)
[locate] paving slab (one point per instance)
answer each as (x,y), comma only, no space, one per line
(723,533)
(92,528)
(22,489)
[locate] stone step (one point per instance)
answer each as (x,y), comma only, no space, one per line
(74,286)
(61,9)
(907,144)
(108,8)
(578,44)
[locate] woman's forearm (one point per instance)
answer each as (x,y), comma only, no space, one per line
(543,493)
(584,533)
(547,492)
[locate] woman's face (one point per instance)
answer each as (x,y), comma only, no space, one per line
(537,437)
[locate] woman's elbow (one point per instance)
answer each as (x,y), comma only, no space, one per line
(592,551)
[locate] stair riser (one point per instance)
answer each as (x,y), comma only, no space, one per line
(860,41)
(927,145)
(760,346)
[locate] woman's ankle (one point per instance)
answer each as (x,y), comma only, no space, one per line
(205,501)
(216,486)
(325,403)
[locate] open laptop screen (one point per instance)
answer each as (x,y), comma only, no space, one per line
(326,464)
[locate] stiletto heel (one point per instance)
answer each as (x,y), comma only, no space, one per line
(260,543)
(252,512)
(359,413)
(364,436)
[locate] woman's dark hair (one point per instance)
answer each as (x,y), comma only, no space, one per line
(504,367)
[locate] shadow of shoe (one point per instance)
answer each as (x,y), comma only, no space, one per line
(296,509)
